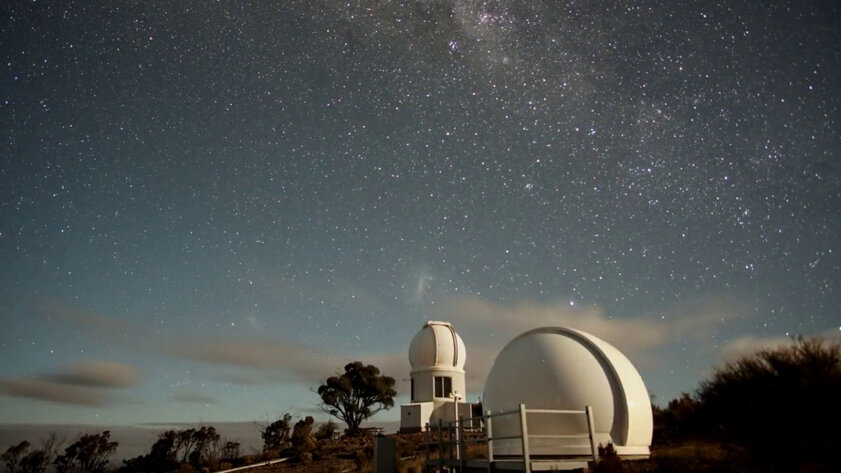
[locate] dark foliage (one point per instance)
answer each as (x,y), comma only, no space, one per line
(12,456)
(326,430)
(357,394)
(779,406)
(161,458)
(303,442)
(276,435)
(230,452)
(35,462)
(609,461)
(679,421)
(88,454)
(176,448)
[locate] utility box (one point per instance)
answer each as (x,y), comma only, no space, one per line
(384,454)
(415,416)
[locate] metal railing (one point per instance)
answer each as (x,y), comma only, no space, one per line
(452,441)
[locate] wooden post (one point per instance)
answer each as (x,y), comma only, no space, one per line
(524,431)
(489,440)
(450,440)
(591,428)
(427,443)
(461,444)
(440,447)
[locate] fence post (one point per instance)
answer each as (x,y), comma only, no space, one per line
(591,428)
(428,447)
(489,440)
(461,444)
(524,430)
(440,447)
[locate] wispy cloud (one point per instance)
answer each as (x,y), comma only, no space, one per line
(193,398)
(260,359)
(85,318)
(486,327)
(492,325)
(263,355)
(103,374)
(81,384)
(748,345)
(241,377)
(50,391)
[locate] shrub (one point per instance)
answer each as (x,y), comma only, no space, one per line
(276,435)
(326,430)
(777,405)
(12,456)
(303,442)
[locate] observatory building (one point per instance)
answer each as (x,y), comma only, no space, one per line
(565,369)
(437,357)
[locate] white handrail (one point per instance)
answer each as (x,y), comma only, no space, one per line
(523,436)
(254,465)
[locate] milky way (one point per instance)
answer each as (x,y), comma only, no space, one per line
(323,177)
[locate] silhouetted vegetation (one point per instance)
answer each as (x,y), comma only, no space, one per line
(326,430)
(230,453)
(88,454)
(37,461)
(303,442)
(11,457)
(781,406)
(176,449)
(276,435)
(774,410)
(677,422)
(357,394)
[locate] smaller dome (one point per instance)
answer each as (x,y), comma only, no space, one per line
(437,345)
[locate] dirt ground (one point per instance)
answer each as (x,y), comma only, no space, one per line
(346,455)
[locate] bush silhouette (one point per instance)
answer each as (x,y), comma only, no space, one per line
(303,442)
(88,454)
(12,456)
(780,406)
(276,435)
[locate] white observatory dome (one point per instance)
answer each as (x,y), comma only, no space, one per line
(566,369)
(437,345)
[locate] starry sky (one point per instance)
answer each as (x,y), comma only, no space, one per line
(206,207)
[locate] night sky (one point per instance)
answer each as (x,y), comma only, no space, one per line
(207,207)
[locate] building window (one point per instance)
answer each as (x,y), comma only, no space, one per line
(443,386)
(413,389)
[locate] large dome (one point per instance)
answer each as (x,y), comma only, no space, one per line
(566,369)
(437,345)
